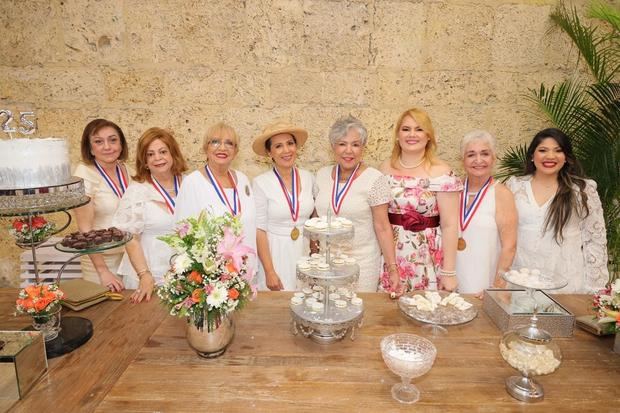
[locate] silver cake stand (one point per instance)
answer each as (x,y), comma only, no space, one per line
(30,202)
(332,323)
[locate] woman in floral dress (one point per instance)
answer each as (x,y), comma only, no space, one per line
(422,186)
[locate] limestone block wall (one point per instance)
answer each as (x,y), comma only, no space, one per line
(186,64)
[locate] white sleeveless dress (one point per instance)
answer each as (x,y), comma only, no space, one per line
(477,263)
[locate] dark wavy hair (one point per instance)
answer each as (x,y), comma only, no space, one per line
(565,201)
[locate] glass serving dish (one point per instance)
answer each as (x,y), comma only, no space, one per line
(531,356)
(408,356)
(443,315)
(96,248)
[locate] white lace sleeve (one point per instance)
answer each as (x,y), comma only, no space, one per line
(379,193)
(129,215)
(594,242)
(262,204)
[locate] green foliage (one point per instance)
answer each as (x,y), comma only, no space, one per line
(587,110)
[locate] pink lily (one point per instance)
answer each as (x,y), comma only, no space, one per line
(232,248)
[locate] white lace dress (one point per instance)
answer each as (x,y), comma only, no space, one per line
(368,190)
(143,212)
(274,217)
(581,257)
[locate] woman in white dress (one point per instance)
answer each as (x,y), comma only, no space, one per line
(147,211)
(106,177)
(284,202)
(423,190)
(561,228)
(360,194)
(487,219)
(217,188)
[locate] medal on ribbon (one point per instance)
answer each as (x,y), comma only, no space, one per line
(339,194)
(467,213)
(168,199)
(292,198)
(235,208)
(118,191)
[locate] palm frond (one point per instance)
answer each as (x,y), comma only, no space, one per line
(563,104)
(605,12)
(512,162)
(590,44)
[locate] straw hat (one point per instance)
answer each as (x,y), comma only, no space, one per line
(275,129)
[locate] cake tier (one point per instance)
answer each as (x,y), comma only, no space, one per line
(34,163)
(14,202)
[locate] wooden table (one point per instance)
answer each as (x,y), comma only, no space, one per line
(139,360)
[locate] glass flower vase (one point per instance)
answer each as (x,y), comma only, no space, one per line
(48,322)
(210,342)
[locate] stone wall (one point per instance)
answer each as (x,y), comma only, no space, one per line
(186,64)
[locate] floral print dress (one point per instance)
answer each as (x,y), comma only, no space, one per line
(418,253)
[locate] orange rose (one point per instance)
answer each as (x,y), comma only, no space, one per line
(40,305)
(233,293)
(230,267)
(195,276)
(197,295)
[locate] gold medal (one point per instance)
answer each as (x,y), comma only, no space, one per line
(294,233)
(461,244)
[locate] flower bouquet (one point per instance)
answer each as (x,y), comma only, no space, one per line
(607,306)
(210,276)
(42,303)
(35,232)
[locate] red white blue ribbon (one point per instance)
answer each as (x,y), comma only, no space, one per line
(339,194)
(466,214)
(291,198)
(221,193)
(168,199)
(121,179)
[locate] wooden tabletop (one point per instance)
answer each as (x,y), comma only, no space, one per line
(138,360)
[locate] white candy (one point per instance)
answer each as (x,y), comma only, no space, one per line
(297,300)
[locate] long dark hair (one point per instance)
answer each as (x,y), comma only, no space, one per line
(565,201)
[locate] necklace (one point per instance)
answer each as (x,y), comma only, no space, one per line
(400,161)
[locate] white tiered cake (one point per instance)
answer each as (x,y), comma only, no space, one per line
(33,163)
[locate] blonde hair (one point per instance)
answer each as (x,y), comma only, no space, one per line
(216,131)
(423,120)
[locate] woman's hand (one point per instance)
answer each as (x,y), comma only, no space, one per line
(145,289)
(114,283)
(396,286)
(448,283)
(273,281)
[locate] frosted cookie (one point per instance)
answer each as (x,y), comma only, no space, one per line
(334,296)
(340,303)
(316,307)
(323,266)
(307,291)
(296,300)
(310,301)
(357,301)
(338,261)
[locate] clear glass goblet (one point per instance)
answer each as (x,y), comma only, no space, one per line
(407,356)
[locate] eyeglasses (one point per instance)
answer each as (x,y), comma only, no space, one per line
(216,143)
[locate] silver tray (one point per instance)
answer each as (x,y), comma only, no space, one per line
(447,315)
(340,233)
(337,275)
(333,316)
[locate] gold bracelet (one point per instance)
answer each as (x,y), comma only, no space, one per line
(142,272)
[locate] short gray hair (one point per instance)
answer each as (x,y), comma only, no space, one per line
(341,127)
(479,135)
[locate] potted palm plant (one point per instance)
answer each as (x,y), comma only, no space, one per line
(587,108)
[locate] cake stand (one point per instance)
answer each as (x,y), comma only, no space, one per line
(530,349)
(332,323)
(29,202)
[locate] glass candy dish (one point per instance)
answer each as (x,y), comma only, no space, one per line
(408,356)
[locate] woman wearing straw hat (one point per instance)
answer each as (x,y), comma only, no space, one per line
(284,201)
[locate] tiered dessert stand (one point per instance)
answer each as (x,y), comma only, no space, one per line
(30,202)
(530,349)
(334,278)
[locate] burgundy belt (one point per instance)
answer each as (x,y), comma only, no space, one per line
(414,221)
